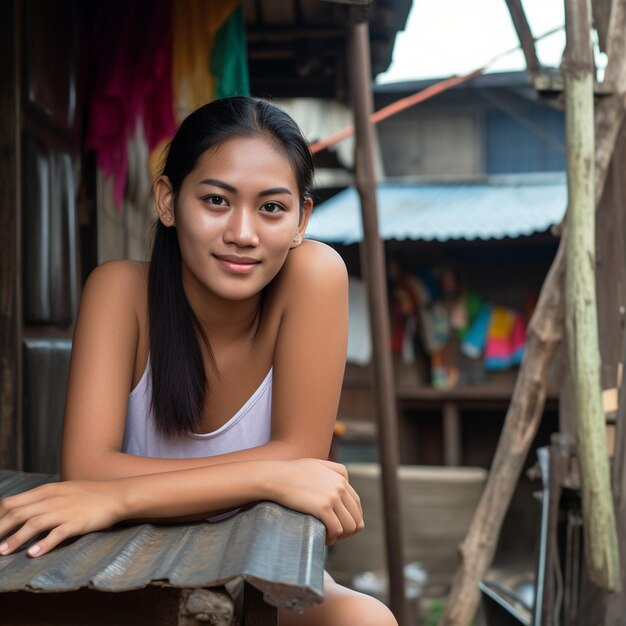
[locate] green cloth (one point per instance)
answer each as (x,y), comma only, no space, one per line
(229,63)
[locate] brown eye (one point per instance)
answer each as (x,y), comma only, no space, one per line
(217,200)
(272,208)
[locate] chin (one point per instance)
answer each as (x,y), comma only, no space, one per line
(239,293)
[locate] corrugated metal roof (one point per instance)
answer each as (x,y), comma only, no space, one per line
(504,206)
(279,551)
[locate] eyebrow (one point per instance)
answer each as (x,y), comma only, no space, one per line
(266,192)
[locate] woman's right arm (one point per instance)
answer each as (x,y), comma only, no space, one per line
(67,509)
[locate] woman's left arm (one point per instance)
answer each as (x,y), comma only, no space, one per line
(309,358)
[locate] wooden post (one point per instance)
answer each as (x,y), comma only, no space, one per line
(581,312)
(373,264)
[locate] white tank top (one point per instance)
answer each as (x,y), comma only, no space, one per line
(248,428)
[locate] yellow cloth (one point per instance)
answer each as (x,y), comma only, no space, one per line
(196,23)
(501,323)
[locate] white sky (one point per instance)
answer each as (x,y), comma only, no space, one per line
(445,37)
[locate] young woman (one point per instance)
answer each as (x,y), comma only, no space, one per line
(210,377)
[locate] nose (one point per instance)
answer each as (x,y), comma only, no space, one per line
(241,228)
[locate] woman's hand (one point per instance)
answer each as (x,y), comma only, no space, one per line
(64,509)
(321,489)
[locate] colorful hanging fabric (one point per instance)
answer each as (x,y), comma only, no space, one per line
(476,336)
(196,25)
(155,61)
(505,340)
(229,64)
(130,61)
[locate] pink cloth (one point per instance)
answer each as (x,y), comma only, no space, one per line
(131,56)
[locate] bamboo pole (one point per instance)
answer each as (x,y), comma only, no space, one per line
(373,264)
(601,546)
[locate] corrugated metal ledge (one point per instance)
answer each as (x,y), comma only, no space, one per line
(279,551)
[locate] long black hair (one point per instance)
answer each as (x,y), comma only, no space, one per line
(179,379)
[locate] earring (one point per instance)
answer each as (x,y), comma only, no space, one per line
(168,217)
(297,239)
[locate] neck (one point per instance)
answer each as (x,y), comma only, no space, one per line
(222,319)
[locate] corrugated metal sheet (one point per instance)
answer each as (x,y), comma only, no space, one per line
(279,551)
(46,367)
(509,206)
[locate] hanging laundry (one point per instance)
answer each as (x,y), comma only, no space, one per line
(229,64)
(129,55)
(518,340)
(196,27)
(150,59)
(505,340)
(464,312)
(459,319)
(476,336)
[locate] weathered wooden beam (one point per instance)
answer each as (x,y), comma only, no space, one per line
(552,85)
(601,10)
(281,34)
(525,36)
(615,70)
(601,547)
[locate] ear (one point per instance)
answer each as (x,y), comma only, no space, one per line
(164,198)
(305,214)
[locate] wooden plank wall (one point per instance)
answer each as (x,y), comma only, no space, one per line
(10,309)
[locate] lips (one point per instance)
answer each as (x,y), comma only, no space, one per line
(236,264)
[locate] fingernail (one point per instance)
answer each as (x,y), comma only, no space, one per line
(4,547)
(33,550)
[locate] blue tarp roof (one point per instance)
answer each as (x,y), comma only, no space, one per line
(503,206)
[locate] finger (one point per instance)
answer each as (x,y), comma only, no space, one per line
(30,529)
(353,508)
(346,519)
(15,517)
(355,496)
(334,528)
(52,540)
(26,497)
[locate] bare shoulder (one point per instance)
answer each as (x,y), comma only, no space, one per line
(116,289)
(314,263)
(126,279)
